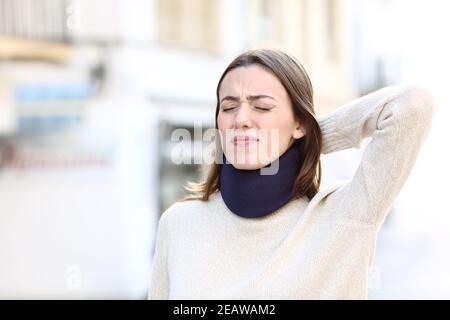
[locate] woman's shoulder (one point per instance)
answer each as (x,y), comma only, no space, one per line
(190,209)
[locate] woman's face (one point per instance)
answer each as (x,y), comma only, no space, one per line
(256,122)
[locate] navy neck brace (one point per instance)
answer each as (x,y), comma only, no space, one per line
(250,194)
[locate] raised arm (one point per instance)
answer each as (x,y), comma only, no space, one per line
(398,119)
(159,278)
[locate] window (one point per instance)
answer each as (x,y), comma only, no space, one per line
(39,20)
(266,22)
(331,27)
(188,23)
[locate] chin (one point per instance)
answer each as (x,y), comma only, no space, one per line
(248,166)
(251,161)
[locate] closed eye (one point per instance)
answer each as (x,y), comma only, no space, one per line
(257,108)
(228,109)
(262,109)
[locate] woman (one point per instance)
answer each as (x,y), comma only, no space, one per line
(249,235)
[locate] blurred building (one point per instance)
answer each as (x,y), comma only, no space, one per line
(91,92)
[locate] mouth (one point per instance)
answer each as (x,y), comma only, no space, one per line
(244,140)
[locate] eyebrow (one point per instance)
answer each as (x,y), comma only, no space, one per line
(250,98)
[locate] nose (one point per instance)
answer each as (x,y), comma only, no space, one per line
(243,117)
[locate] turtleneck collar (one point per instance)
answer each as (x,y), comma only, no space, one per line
(250,194)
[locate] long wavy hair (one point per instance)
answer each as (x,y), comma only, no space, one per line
(297,83)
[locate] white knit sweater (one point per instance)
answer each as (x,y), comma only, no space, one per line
(309,249)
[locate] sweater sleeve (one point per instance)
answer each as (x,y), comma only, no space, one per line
(397,119)
(159,277)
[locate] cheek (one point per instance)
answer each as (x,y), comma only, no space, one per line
(276,119)
(222,121)
(222,126)
(278,133)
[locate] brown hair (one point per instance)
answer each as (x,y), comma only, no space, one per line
(296,82)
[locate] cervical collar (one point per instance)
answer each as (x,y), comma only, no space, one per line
(250,194)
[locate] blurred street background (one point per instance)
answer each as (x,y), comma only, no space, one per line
(92,90)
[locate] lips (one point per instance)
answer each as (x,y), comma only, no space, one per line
(239,140)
